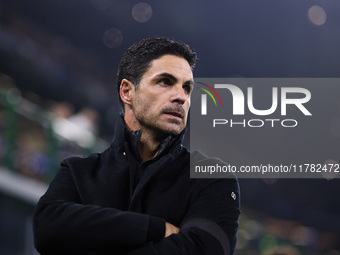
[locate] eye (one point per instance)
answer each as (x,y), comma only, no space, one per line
(187,88)
(165,81)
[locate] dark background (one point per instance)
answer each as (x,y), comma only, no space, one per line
(69,50)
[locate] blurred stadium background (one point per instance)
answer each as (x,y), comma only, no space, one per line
(58,62)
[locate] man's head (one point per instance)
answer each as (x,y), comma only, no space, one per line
(136,60)
(155,86)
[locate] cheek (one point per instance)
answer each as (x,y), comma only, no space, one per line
(186,106)
(140,105)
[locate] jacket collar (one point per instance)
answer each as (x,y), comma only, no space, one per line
(123,136)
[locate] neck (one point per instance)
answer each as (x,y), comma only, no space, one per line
(149,142)
(148,146)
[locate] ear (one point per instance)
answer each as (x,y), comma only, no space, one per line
(126,92)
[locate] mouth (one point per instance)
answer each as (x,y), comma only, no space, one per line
(175,114)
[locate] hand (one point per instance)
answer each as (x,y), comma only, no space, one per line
(170,229)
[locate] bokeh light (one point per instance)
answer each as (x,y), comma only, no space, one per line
(317,15)
(142,12)
(304,236)
(113,38)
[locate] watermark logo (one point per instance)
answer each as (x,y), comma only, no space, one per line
(239,99)
(204,97)
(280,98)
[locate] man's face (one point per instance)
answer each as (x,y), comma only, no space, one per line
(162,100)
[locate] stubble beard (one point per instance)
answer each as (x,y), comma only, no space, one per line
(159,130)
(155,124)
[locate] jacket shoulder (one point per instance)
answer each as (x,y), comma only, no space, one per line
(80,159)
(85,161)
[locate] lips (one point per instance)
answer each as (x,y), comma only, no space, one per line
(174,110)
(176,114)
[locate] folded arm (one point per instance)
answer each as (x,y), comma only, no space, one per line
(63,224)
(209,227)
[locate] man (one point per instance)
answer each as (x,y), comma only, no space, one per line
(137,197)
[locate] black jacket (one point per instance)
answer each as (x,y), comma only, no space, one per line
(109,203)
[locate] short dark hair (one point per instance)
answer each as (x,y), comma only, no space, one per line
(136,60)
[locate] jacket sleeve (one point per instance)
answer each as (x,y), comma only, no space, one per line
(209,227)
(62,224)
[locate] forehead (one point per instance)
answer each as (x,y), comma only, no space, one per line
(177,66)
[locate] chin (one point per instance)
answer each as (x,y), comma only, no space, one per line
(173,131)
(171,128)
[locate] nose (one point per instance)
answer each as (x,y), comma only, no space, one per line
(179,95)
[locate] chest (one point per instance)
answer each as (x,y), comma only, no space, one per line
(164,190)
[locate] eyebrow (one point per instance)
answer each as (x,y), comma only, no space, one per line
(173,78)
